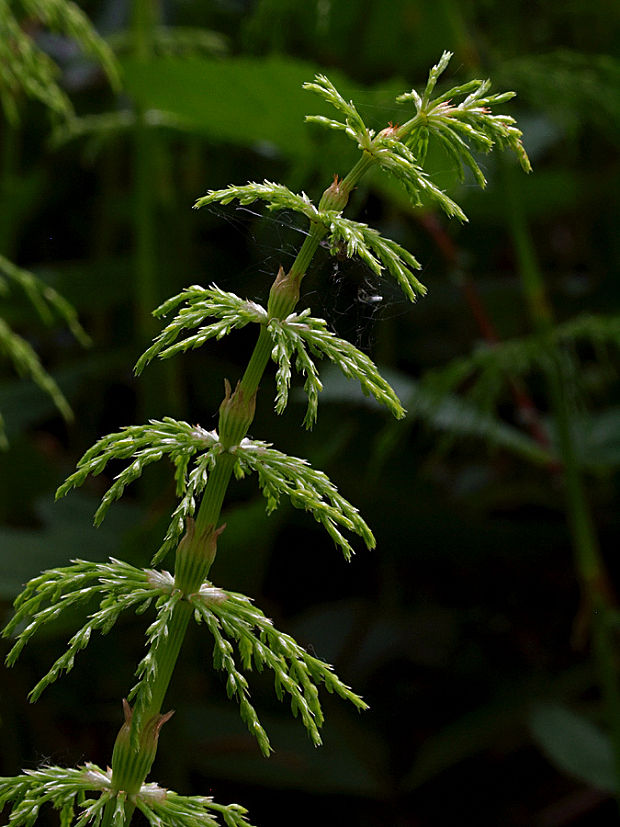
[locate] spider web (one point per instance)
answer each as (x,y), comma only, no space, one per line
(345,292)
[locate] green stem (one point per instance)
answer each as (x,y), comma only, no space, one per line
(194,555)
(305,255)
(167,654)
(258,362)
(108,813)
(109,809)
(597,594)
(144,17)
(350,181)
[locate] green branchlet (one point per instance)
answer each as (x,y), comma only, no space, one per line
(50,305)
(300,335)
(278,475)
(396,158)
(231,311)
(65,788)
(460,128)
(296,337)
(145,444)
(353,125)
(26,362)
(228,616)
(233,617)
(81,795)
(118,586)
(281,475)
(355,238)
(276,196)
(378,252)
(25,69)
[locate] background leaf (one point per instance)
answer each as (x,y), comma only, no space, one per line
(575,745)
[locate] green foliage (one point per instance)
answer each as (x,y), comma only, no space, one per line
(232,617)
(354,237)
(108,125)
(487,370)
(26,362)
(449,414)
(281,475)
(167,41)
(49,304)
(265,90)
(278,475)
(599,331)
(233,313)
(26,70)
(204,461)
(294,338)
(299,334)
(119,585)
(459,128)
(67,790)
(579,90)
(574,744)
(147,444)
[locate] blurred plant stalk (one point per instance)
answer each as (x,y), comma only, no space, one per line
(596,616)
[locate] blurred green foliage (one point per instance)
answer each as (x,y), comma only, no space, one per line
(458,629)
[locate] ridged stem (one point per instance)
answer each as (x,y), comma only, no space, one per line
(166,654)
(108,813)
(110,807)
(258,362)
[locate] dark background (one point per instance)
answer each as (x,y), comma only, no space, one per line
(459,630)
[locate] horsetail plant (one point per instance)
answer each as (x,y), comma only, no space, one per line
(206,461)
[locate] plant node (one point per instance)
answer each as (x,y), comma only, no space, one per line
(284,295)
(236,415)
(335,197)
(130,766)
(195,555)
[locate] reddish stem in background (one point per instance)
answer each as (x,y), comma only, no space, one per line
(528,413)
